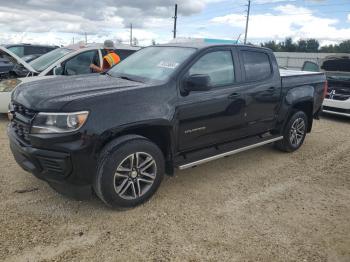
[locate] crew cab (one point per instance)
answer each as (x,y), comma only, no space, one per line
(165,107)
(70,60)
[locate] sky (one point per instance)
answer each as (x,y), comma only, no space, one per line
(59,21)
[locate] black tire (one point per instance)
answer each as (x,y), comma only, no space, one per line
(122,151)
(288,144)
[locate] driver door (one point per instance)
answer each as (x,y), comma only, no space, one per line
(80,64)
(214,116)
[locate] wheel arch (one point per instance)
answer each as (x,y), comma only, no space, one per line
(159,133)
(305,106)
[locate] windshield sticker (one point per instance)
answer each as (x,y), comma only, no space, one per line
(171,65)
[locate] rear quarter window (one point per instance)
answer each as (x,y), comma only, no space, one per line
(257,65)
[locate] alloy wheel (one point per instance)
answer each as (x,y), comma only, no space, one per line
(297,132)
(135,175)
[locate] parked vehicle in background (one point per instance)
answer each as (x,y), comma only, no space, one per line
(71,60)
(27,52)
(337,70)
(28,49)
(165,107)
(30,58)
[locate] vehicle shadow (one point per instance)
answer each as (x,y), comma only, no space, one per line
(3,117)
(337,118)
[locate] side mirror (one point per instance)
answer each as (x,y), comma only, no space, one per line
(197,83)
(58,70)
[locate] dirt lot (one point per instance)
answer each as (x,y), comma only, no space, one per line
(260,205)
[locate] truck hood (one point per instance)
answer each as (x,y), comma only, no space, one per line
(15,59)
(48,94)
(340,63)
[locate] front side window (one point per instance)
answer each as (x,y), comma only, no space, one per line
(217,65)
(152,63)
(256,65)
(44,61)
(80,64)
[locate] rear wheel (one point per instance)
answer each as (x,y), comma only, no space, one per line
(294,132)
(129,172)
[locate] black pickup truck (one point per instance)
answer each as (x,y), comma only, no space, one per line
(165,107)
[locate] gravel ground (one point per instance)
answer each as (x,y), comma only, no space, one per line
(260,205)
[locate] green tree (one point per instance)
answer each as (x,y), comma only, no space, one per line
(312,45)
(272,45)
(344,47)
(302,46)
(289,46)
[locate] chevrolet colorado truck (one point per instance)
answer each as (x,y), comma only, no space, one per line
(164,107)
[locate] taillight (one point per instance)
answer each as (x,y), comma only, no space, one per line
(325,89)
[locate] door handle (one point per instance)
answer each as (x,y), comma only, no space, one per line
(271,89)
(234,95)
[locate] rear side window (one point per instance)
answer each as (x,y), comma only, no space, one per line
(123,53)
(256,65)
(31,50)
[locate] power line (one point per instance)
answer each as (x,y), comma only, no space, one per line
(130,34)
(175,21)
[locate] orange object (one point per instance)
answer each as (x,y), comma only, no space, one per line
(112,59)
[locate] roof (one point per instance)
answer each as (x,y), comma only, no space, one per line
(82,45)
(24,44)
(202,45)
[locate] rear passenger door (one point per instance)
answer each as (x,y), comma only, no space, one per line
(262,89)
(214,116)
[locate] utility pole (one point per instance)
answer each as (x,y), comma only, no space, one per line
(247,23)
(130,34)
(175,21)
(85,38)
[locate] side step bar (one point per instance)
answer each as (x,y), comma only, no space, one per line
(236,151)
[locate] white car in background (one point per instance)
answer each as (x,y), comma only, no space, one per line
(337,70)
(71,60)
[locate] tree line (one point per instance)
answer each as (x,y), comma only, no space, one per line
(307,45)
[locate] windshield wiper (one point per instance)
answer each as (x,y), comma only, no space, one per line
(129,78)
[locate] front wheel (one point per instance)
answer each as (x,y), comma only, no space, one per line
(294,132)
(130,171)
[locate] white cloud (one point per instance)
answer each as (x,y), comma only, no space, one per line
(290,21)
(271,1)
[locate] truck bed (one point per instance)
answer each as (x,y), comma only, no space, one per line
(293,78)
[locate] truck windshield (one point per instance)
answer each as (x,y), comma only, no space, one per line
(44,61)
(153,63)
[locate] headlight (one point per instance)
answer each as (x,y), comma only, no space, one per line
(50,123)
(9,84)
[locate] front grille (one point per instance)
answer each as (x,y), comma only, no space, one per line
(52,165)
(21,122)
(338,93)
(337,97)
